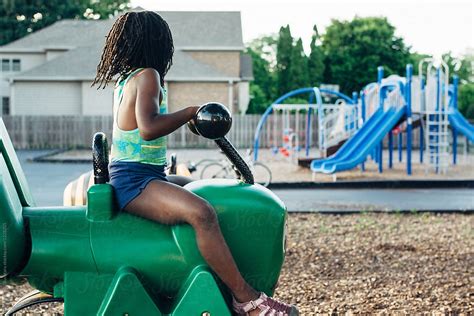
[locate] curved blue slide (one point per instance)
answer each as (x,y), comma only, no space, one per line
(459,122)
(356,150)
(352,142)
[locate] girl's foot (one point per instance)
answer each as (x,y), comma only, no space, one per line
(264,305)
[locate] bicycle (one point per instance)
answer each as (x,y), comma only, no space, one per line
(224,169)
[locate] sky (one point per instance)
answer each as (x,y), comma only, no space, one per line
(432,27)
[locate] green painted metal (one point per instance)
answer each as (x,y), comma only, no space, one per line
(251,217)
(101,206)
(84,292)
(126,296)
(14,247)
(200,284)
(106,262)
(16,172)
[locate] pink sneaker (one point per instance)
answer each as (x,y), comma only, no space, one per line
(266,305)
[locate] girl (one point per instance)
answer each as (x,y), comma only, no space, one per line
(139,48)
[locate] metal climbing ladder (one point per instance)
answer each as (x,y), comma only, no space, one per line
(435,108)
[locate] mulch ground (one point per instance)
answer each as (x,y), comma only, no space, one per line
(396,264)
(366,264)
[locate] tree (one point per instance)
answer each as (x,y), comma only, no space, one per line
(460,66)
(354,49)
(283,57)
(21,17)
(266,47)
(262,88)
(466,100)
(415,59)
(299,67)
(315,61)
(263,53)
(258,101)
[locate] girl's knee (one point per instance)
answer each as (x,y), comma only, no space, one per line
(203,216)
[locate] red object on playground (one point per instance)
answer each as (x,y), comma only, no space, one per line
(284,151)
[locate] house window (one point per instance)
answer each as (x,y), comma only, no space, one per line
(5,64)
(16,65)
(5,105)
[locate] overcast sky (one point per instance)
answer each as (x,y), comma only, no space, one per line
(432,27)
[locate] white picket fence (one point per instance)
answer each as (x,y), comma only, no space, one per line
(42,132)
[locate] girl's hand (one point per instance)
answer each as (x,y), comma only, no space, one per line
(192,111)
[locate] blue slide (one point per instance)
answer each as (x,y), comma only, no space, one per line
(459,122)
(356,149)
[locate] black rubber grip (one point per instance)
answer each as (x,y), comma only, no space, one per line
(100,158)
(239,163)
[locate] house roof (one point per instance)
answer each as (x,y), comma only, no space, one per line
(83,41)
(80,64)
(191,31)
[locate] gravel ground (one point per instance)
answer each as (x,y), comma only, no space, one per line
(366,263)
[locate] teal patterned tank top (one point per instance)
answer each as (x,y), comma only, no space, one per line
(128,146)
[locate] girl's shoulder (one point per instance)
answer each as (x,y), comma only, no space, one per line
(149,77)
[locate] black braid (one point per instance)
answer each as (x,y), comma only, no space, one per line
(136,40)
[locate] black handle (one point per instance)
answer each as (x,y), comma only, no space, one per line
(100,158)
(229,150)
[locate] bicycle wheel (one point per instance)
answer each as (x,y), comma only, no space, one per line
(261,174)
(214,170)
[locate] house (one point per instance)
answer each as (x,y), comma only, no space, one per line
(50,72)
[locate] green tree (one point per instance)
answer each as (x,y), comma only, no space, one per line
(315,60)
(460,66)
(299,67)
(354,49)
(262,88)
(415,59)
(266,47)
(263,53)
(258,101)
(283,58)
(21,17)
(466,100)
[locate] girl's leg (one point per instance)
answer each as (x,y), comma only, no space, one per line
(168,203)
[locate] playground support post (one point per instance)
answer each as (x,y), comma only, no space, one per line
(455,105)
(409,118)
(400,147)
(390,150)
(307,144)
(422,137)
(379,151)
(436,117)
(362,114)
(355,101)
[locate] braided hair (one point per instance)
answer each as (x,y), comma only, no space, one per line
(136,40)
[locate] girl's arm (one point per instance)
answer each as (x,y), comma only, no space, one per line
(150,122)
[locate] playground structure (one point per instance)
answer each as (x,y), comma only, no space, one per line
(100,261)
(337,121)
(392,106)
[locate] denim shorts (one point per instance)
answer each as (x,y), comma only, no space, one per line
(130,178)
